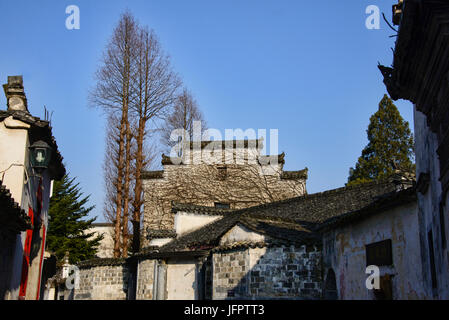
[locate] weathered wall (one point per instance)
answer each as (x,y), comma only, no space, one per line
(430,218)
(103,283)
(187,222)
(344,252)
(106,247)
(181,280)
(145,279)
(13,150)
(240,233)
(283,272)
(230,278)
(243,186)
(14,161)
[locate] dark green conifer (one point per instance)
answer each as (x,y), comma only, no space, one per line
(67,231)
(390,146)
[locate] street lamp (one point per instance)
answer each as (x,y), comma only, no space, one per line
(40,154)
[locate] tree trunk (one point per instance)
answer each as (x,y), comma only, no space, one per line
(125,235)
(138,187)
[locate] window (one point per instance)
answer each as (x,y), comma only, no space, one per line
(379,253)
(221,205)
(222,172)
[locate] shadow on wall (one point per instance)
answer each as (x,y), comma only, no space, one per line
(330,286)
(278,272)
(7,250)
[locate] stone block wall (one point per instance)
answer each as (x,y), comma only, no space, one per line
(104,282)
(145,279)
(286,272)
(230,278)
(273,273)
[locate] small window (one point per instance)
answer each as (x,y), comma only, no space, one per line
(379,253)
(221,205)
(222,172)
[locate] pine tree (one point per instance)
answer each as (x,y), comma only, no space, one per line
(67,229)
(390,146)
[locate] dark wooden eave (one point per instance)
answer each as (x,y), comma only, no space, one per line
(420,70)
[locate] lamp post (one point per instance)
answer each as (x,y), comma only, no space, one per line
(40,155)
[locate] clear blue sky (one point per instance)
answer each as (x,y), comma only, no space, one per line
(306,68)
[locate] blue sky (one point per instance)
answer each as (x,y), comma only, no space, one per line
(306,68)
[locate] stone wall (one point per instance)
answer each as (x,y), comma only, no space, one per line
(230,278)
(282,272)
(104,282)
(243,186)
(145,279)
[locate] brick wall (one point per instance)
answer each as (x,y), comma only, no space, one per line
(274,272)
(103,283)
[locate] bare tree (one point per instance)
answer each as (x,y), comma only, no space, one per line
(237,185)
(156,85)
(113,93)
(182,116)
(110,163)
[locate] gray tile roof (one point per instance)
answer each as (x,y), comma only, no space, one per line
(380,204)
(293,220)
(13,219)
(193,208)
(295,175)
(204,238)
(96,262)
(160,234)
(318,207)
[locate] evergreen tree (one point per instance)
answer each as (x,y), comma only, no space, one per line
(390,146)
(67,229)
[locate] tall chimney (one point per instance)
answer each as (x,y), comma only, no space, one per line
(15,95)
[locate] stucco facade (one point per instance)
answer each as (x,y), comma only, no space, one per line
(345,254)
(30,189)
